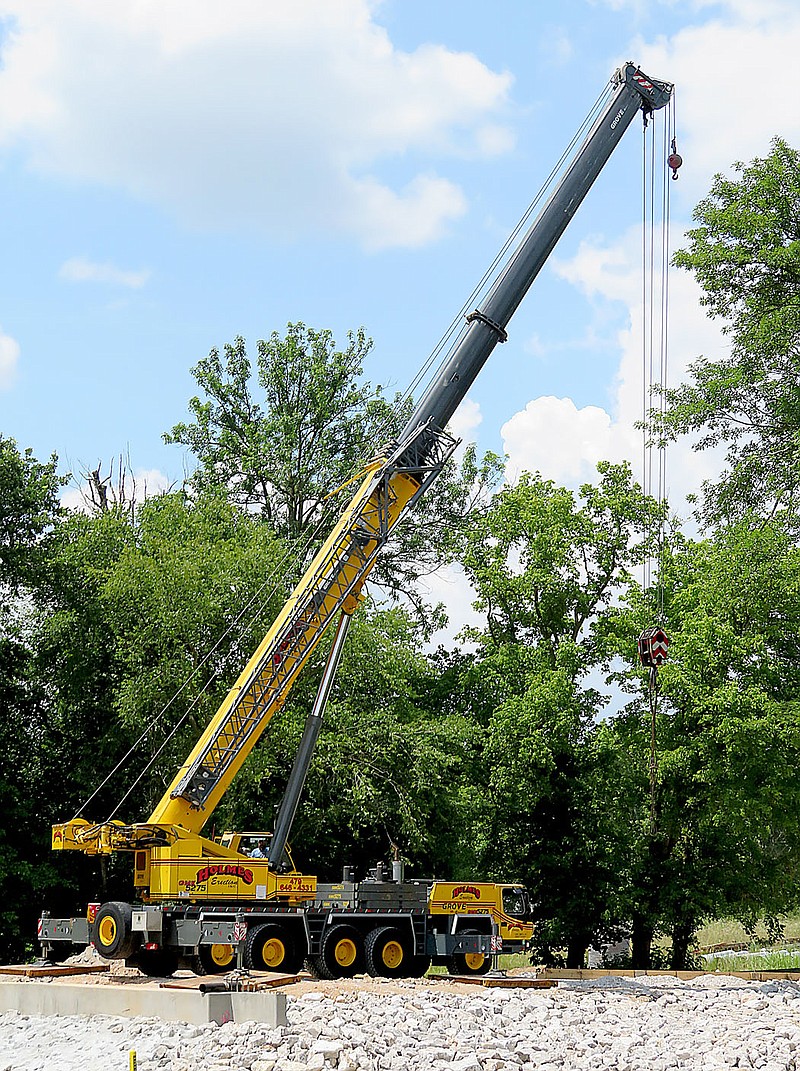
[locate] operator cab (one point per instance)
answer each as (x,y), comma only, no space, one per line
(517,903)
(246,843)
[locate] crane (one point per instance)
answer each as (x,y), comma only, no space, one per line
(172,860)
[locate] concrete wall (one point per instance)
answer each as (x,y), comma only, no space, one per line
(172,1005)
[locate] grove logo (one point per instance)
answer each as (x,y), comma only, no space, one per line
(224,870)
(466,890)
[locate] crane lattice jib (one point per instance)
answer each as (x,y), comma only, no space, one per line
(331,583)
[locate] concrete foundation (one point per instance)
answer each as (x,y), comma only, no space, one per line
(171,1005)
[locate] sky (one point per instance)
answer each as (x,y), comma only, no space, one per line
(174,173)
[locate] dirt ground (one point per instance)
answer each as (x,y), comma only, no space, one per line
(120,975)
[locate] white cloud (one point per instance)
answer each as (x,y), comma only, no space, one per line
(255,113)
(9,355)
(734,76)
(81,270)
(466,419)
(563,442)
(552,436)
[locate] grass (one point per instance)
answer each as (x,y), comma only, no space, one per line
(751,952)
(505,963)
(754,961)
(730,932)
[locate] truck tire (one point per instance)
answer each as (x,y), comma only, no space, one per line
(111,931)
(342,953)
(156,962)
(420,965)
(214,959)
(271,948)
(388,953)
(469,962)
(315,967)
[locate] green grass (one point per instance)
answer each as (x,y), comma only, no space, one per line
(504,963)
(754,961)
(760,954)
(731,932)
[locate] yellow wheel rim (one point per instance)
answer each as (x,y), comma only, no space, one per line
(107,931)
(392,955)
(274,952)
(346,952)
(222,955)
(474,960)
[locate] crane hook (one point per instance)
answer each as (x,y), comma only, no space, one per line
(674,160)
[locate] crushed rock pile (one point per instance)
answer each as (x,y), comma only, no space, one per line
(626,1024)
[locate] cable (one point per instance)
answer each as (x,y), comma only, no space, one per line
(654,381)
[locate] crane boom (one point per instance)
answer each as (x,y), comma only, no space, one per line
(390,486)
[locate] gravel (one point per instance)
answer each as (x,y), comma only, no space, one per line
(642,1024)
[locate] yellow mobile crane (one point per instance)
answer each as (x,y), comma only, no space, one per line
(199,899)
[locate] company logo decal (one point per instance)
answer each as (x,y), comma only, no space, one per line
(618,116)
(466,890)
(224,870)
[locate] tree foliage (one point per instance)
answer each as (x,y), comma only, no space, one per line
(546,568)
(725,837)
(150,620)
(313,427)
(310,429)
(29,513)
(745,254)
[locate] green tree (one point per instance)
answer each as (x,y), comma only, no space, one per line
(547,567)
(307,430)
(314,427)
(29,514)
(725,839)
(150,621)
(745,254)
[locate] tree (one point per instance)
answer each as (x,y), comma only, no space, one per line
(150,620)
(29,508)
(725,837)
(745,253)
(316,427)
(29,513)
(547,570)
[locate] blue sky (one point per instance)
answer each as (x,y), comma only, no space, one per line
(173,174)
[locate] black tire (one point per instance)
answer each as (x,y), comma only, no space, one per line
(342,953)
(469,962)
(420,965)
(314,966)
(388,953)
(271,948)
(111,931)
(156,962)
(214,959)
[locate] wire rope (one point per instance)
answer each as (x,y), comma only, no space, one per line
(655,368)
